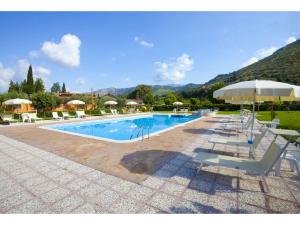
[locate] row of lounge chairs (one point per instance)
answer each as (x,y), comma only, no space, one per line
(252,166)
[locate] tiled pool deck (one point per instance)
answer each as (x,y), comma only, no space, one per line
(37,181)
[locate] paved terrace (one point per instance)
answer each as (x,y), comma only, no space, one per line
(34,180)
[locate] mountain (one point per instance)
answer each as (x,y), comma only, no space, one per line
(283,65)
(157,89)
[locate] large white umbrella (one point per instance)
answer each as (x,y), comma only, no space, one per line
(110,103)
(75,102)
(258,90)
(17,101)
(177,103)
(131,103)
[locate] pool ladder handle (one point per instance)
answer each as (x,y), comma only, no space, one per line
(140,130)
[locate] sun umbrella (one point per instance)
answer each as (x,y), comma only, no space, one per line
(131,103)
(177,103)
(258,90)
(110,103)
(17,101)
(75,102)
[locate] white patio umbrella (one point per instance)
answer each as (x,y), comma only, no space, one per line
(258,90)
(110,103)
(131,103)
(177,104)
(17,101)
(76,102)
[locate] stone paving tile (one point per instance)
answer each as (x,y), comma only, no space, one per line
(32,206)
(249,185)
(85,209)
(43,187)
(153,182)
(279,193)
(107,198)
(249,209)
(30,182)
(108,180)
(149,210)
(225,191)
(252,197)
(83,170)
(78,184)
(67,204)
(54,195)
(123,186)
(126,205)
(180,180)
(64,178)
(15,200)
(279,205)
(25,176)
(218,204)
(56,173)
(201,185)
(162,201)
(196,196)
(186,207)
(94,175)
(164,173)
(174,189)
(91,190)
(8,188)
(141,193)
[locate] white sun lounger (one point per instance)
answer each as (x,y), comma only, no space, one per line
(80,114)
(8,118)
(55,116)
(66,115)
(259,168)
(238,142)
(33,117)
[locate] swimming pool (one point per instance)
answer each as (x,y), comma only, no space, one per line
(126,129)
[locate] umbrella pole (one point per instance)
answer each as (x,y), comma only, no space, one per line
(252,126)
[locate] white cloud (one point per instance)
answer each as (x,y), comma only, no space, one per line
(265,52)
(80,81)
(6,74)
(34,54)
(19,72)
(174,70)
(66,52)
(290,40)
(250,61)
(260,54)
(143,42)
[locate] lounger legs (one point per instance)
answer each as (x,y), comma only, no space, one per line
(199,167)
(266,185)
(294,164)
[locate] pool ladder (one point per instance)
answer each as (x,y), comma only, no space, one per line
(140,131)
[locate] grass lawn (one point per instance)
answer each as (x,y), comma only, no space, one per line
(288,119)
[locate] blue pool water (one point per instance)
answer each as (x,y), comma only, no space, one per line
(123,129)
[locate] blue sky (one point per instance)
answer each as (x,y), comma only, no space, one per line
(122,49)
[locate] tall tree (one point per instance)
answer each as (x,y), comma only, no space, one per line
(170,98)
(30,81)
(23,86)
(55,88)
(14,87)
(63,89)
(39,85)
(143,92)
